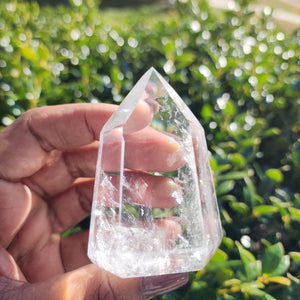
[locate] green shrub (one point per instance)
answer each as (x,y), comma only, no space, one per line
(237,72)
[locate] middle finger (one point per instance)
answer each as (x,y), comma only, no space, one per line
(139,188)
(146,150)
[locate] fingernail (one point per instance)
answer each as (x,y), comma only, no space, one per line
(168,189)
(157,285)
(152,103)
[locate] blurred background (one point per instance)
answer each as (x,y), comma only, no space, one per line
(237,66)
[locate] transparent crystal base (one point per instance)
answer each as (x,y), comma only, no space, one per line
(133,252)
(154,208)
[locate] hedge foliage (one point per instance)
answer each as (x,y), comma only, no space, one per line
(237,72)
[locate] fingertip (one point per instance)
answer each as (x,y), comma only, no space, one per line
(172,156)
(171,226)
(8,266)
(153,151)
(82,283)
(167,192)
(92,282)
(140,117)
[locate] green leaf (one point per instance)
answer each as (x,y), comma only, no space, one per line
(223,168)
(169,48)
(295,256)
(282,267)
(253,284)
(272,258)
(66,233)
(250,142)
(223,264)
(114,73)
(238,160)
(272,131)
(230,109)
(228,242)
(279,279)
(226,216)
(185,59)
(295,213)
(259,294)
(223,274)
(225,187)
(251,269)
(229,198)
(249,192)
(275,175)
(235,175)
(43,51)
(232,281)
(206,112)
(213,163)
(220,255)
(282,206)
(239,207)
(264,210)
(28,53)
(198,285)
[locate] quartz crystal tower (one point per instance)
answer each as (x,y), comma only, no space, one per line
(154,209)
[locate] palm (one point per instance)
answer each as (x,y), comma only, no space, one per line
(38,218)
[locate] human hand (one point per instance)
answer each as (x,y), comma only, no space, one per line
(47,161)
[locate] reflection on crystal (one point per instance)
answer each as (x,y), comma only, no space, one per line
(154,208)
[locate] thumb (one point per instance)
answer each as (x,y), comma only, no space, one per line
(90,282)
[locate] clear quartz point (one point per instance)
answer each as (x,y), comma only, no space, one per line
(154,210)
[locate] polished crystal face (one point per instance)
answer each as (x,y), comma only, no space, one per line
(154,209)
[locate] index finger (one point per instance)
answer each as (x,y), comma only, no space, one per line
(29,140)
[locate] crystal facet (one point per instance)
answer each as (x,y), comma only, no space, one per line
(154,209)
